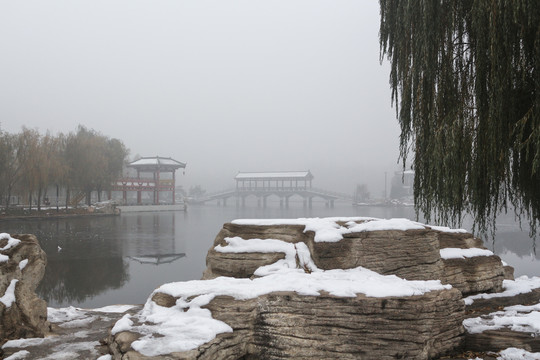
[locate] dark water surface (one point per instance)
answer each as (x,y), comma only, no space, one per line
(98,261)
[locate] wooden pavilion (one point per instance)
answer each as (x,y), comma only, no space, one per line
(156,183)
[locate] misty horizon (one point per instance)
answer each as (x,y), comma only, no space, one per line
(226,87)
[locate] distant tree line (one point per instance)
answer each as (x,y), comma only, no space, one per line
(78,162)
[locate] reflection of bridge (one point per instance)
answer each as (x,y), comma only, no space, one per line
(280,184)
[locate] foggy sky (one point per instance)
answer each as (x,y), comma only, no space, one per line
(224,85)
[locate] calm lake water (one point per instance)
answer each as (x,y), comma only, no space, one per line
(94,262)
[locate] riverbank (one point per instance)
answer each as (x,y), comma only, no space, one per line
(51,216)
(56,213)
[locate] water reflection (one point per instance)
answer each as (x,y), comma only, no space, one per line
(90,256)
(157,259)
(66,281)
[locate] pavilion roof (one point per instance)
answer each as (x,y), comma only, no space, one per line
(156,162)
(282,175)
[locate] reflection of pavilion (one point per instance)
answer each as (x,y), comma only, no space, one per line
(163,179)
(158,258)
(153,239)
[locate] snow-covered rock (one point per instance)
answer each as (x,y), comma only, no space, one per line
(399,247)
(305,288)
(22,313)
(333,288)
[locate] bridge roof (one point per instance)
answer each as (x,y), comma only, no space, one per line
(282,175)
(156,162)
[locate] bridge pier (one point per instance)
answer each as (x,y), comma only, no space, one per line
(310,201)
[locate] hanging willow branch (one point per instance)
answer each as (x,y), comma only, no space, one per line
(466,84)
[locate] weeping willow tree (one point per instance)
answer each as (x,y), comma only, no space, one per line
(465,81)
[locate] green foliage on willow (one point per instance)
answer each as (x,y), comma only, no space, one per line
(466,83)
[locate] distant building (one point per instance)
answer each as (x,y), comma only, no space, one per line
(402,184)
(156,179)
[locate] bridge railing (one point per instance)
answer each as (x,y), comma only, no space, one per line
(333,193)
(273,188)
(215,194)
(243,190)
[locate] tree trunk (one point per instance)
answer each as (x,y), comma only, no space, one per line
(39,199)
(8,200)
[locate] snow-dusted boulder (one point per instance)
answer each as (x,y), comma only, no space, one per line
(299,289)
(514,326)
(399,247)
(22,266)
(332,288)
(293,314)
(469,266)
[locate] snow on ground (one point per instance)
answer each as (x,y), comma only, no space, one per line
(328,229)
(113,308)
(67,314)
(20,343)
(521,285)
(187,325)
(456,253)
(517,354)
(76,338)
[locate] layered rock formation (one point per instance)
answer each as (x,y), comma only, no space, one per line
(413,254)
(318,300)
(22,266)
